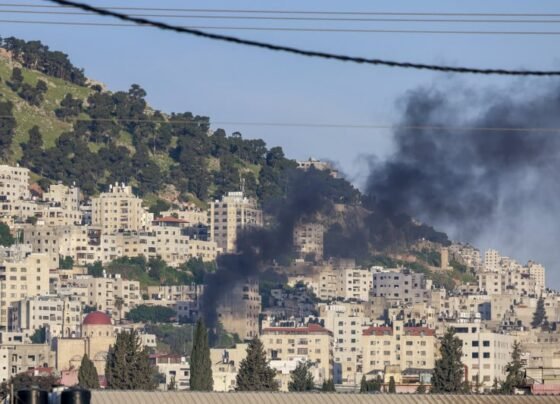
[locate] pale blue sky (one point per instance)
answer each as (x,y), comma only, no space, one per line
(233,83)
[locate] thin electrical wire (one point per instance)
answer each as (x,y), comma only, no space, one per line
(307,19)
(304,12)
(318,30)
(303,52)
(319,125)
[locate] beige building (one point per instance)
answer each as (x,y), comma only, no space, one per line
(97,335)
(317,165)
(18,358)
(61,317)
(308,240)
(225,365)
(119,210)
(190,214)
(347,328)
(113,295)
(229,215)
(14,186)
(485,353)
(22,275)
(312,342)
(397,345)
(239,310)
(537,274)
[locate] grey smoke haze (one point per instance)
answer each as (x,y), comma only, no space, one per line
(493,188)
(261,246)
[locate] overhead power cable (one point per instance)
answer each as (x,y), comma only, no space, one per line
(291,18)
(295,12)
(293,29)
(302,52)
(319,125)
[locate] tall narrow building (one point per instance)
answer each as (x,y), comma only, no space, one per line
(228,216)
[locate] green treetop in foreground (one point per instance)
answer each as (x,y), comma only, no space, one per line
(254,372)
(448,371)
(201,366)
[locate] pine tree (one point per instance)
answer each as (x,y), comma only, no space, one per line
(302,379)
(87,376)
(539,316)
(448,371)
(128,366)
(254,372)
(328,386)
(392,385)
(201,366)
(363,385)
(514,376)
(421,389)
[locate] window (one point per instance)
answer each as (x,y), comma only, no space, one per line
(475,355)
(486,355)
(486,343)
(475,343)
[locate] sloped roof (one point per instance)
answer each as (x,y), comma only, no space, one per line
(188,397)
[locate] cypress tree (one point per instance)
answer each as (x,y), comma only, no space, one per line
(448,371)
(302,379)
(392,385)
(539,316)
(254,372)
(128,366)
(201,366)
(87,376)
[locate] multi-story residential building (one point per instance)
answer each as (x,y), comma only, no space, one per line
(537,274)
(175,370)
(407,347)
(18,358)
(354,283)
(347,331)
(230,215)
(239,310)
(63,196)
(14,184)
(466,255)
(485,353)
(114,295)
(492,261)
(22,275)
(404,286)
(119,210)
(176,293)
(225,365)
(291,341)
(61,317)
(308,240)
(490,282)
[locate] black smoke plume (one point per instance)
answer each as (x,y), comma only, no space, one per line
(495,187)
(259,247)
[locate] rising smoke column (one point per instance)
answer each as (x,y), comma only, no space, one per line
(306,196)
(496,187)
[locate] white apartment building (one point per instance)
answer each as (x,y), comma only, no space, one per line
(354,283)
(485,353)
(61,317)
(231,214)
(492,261)
(225,365)
(19,358)
(22,275)
(308,240)
(175,369)
(119,210)
(63,196)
